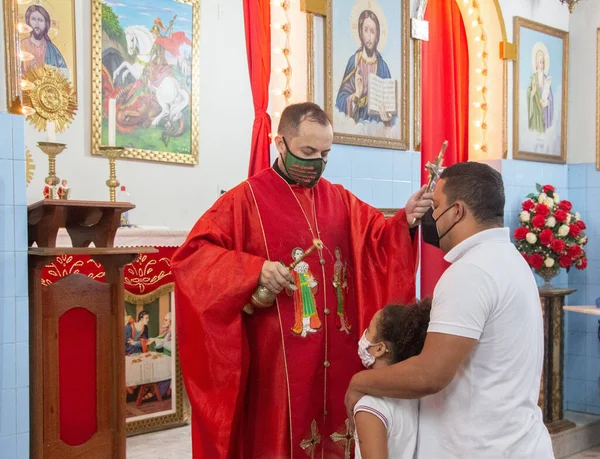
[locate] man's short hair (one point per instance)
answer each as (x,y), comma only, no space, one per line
(295,114)
(479,186)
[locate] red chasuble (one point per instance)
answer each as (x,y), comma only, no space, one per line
(271,385)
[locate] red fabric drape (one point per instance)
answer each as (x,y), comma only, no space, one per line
(257,21)
(445,107)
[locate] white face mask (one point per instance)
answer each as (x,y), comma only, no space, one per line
(363,351)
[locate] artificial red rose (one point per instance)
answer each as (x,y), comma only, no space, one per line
(546,237)
(574,230)
(581,224)
(565,205)
(520,233)
(574,251)
(538,221)
(581,263)
(565,261)
(558,246)
(547,188)
(542,209)
(560,216)
(536,261)
(528,205)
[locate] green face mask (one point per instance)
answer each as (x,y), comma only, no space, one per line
(305,172)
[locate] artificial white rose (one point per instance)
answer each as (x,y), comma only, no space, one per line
(563,230)
(577,216)
(556,198)
(542,198)
(569,218)
(531,238)
(549,262)
(525,216)
(549,202)
(582,240)
(551,222)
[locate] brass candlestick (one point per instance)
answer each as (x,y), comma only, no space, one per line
(52,149)
(263,297)
(112,153)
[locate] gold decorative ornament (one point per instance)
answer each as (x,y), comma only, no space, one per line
(51,95)
(112,153)
(52,149)
(29,166)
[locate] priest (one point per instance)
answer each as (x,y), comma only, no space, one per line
(270,382)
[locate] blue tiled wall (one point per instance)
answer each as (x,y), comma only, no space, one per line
(14,327)
(382,178)
(582,344)
(580,184)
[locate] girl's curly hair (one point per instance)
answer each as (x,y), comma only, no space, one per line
(404,329)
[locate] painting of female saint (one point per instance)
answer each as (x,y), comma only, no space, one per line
(145,68)
(367,67)
(540,92)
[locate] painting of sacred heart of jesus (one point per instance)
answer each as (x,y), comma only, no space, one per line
(145,78)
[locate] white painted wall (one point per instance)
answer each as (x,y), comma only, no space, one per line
(582,82)
(167,195)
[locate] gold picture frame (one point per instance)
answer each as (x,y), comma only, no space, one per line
(324,9)
(541,130)
(178,415)
(598,99)
(180,151)
(60,33)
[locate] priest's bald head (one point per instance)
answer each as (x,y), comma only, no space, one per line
(304,138)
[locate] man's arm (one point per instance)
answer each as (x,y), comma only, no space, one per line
(426,374)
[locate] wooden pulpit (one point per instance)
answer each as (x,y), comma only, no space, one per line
(551,388)
(77,374)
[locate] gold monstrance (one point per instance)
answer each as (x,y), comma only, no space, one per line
(263,297)
(435,170)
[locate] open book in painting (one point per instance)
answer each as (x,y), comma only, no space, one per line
(383,91)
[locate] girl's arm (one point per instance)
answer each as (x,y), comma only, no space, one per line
(372,436)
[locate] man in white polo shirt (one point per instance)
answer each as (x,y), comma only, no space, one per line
(479,371)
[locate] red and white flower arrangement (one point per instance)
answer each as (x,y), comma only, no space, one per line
(551,236)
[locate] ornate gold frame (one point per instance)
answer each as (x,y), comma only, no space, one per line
(598,99)
(11,56)
(136,153)
(180,416)
(350,139)
(526,155)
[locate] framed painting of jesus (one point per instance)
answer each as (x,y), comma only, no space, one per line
(145,78)
(367,72)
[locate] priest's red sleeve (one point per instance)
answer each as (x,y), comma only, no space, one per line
(384,256)
(214,278)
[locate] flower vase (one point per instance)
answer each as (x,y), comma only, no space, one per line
(547,274)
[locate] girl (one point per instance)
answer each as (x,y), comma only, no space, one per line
(386,427)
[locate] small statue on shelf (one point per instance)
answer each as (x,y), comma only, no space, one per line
(49,189)
(64,190)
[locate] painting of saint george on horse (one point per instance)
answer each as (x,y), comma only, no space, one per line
(147,77)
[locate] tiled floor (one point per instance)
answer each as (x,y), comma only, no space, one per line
(177,444)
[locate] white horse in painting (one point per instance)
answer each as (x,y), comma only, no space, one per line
(171,97)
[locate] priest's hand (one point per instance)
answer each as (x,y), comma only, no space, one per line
(275,276)
(417,206)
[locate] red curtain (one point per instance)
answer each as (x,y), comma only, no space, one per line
(445,108)
(257,21)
